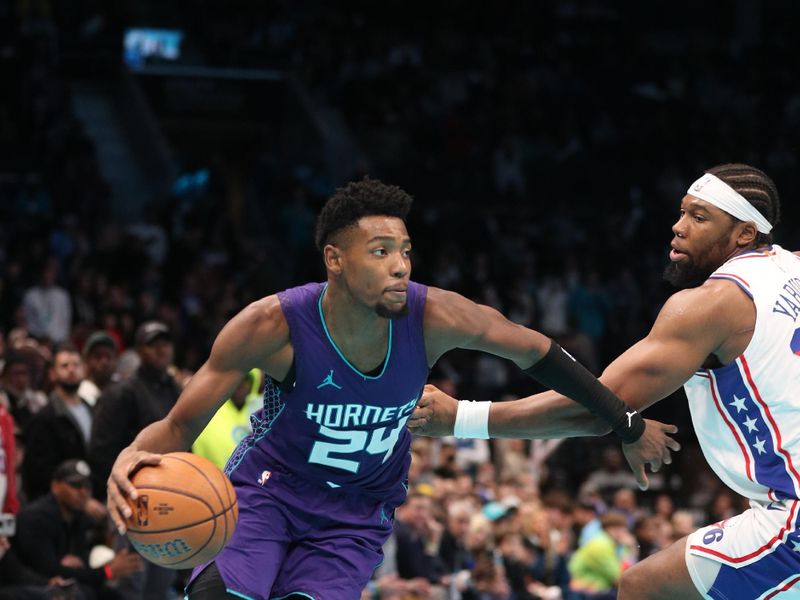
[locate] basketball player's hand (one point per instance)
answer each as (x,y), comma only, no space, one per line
(435,414)
(119,484)
(652,448)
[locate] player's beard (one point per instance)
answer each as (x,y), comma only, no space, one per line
(384,312)
(684,276)
(689,274)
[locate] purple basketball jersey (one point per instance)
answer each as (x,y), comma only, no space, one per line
(318,479)
(339,426)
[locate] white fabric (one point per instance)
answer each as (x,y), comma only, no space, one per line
(48,313)
(715,191)
(89,391)
(746,415)
(472,420)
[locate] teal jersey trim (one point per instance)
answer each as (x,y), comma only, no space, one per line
(239,594)
(294,594)
(339,352)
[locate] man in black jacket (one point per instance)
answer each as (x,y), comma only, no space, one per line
(61,429)
(52,535)
(125,408)
(122,411)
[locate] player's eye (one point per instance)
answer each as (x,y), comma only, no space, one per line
(378,251)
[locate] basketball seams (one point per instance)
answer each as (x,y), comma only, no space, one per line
(213,487)
(209,539)
(199,470)
(186,526)
(201,548)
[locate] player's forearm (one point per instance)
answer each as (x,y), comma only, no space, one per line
(545,416)
(164,436)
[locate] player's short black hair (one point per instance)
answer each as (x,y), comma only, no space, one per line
(757,188)
(359,199)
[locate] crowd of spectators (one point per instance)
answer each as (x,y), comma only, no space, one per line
(547,149)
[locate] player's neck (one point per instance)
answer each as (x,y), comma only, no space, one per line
(739,251)
(347,319)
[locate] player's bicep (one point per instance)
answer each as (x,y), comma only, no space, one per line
(680,341)
(251,339)
(452,321)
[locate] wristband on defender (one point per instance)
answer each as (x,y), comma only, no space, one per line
(562,373)
(472,420)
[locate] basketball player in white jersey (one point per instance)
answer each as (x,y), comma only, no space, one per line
(732,339)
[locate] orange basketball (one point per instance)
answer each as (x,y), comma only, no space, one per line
(185,513)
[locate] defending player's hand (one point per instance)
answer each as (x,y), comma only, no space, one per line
(652,448)
(435,413)
(120,486)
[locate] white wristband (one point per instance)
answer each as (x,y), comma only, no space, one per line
(472,420)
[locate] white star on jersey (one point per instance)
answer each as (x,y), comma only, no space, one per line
(751,425)
(738,403)
(759,445)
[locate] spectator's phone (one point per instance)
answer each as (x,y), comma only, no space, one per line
(8,525)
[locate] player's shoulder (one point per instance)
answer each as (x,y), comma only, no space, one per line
(442,297)
(707,296)
(445,305)
(713,302)
(263,314)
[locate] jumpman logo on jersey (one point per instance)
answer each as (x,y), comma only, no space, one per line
(630,415)
(329,381)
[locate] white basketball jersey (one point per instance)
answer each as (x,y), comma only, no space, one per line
(747,413)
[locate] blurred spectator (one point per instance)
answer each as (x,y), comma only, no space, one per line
(18,582)
(546,550)
(52,534)
(100,352)
(597,566)
(683,523)
(586,520)
(648,533)
(624,502)
(9,502)
(612,475)
(61,429)
(48,308)
(453,553)
(123,410)
(16,392)
(418,535)
(489,581)
(231,423)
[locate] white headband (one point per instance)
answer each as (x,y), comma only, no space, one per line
(715,191)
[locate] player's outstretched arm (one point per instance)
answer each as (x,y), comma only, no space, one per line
(453,321)
(257,336)
(691,326)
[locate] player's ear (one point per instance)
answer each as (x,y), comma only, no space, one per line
(747,234)
(333,258)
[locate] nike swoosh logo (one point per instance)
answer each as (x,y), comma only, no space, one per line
(773,506)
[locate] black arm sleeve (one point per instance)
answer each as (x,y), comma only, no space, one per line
(562,373)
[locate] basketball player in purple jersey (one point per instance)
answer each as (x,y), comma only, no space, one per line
(732,340)
(318,480)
